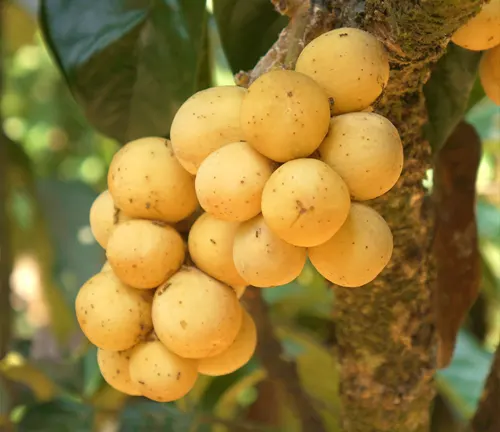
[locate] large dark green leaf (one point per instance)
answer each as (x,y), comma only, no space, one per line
(247,29)
(129,63)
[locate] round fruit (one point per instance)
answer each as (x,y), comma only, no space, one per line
(350,64)
(358,252)
(112,315)
(366,151)
(159,374)
(114,367)
(146,181)
(239,290)
(305,202)
(285,115)
(237,355)
(489,72)
(262,258)
(210,245)
(194,315)
(207,121)
(144,253)
(106,267)
(230,181)
(103,217)
(481,32)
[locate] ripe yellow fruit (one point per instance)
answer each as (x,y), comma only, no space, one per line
(210,245)
(112,315)
(285,115)
(262,258)
(350,64)
(237,355)
(103,217)
(194,315)
(106,267)
(239,290)
(146,181)
(305,202)
(207,121)
(481,32)
(144,253)
(358,252)
(114,367)
(489,72)
(230,181)
(366,151)
(159,374)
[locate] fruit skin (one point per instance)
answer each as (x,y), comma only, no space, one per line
(160,374)
(237,355)
(230,181)
(194,315)
(262,258)
(210,245)
(144,253)
(489,73)
(205,122)
(106,267)
(112,315)
(351,65)
(114,367)
(358,252)
(305,202)
(285,115)
(481,32)
(366,151)
(147,182)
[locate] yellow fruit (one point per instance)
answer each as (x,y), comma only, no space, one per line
(230,181)
(351,65)
(481,32)
(114,367)
(489,72)
(239,290)
(106,267)
(112,315)
(237,355)
(262,258)
(144,253)
(366,151)
(146,181)
(194,315)
(210,245)
(358,252)
(159,374)
(305,202)
(207,121)
(285,115)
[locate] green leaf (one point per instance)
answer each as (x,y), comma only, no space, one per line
(447,93)
(488,219)
(129,63)
(247,30)
(476,94)
(92,378)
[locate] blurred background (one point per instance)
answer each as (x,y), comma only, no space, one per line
(53,166)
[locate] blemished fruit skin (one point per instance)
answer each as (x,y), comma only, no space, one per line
(114,367)
(144,254)
(147,182)
(489,73)
(194,315)
(230,181)
(351,65)
(210,245)
(366,151)
(285,115)
(205,122)
(481,32)
(305,202)
(237,355)
(160,374)
(262,258)
(112,315)
(358,252)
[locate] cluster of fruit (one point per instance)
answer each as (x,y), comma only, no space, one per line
(251,183)
(482,33)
